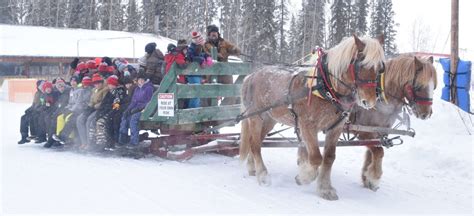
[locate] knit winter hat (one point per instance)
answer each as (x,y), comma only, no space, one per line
(212,28)
(47,85)
(59,83)
(107,60)
(170,47)
(97,78)
(197,38)
(112,80)
(91,64)
(86,81)
(182,43)
(81,66)
(150,48)
(121,66)
(102,67)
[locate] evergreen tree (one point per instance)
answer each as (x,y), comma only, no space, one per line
(310,27)
(76,13)
(340,20)
(133,17)
(282,16)
(267,30)
(361,16)
(249,28)
(294,41)
(7,12)
(382,22)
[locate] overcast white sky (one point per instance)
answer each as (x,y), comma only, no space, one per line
(437,15)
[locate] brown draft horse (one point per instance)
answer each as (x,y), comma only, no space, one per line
(269,84)
(408,81)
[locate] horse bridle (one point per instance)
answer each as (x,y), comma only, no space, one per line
(354,69)
(412,89)
(355,66)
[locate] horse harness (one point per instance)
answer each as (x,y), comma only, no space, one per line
(410,89)
(325,89)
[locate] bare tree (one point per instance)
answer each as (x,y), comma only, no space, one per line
(420,38)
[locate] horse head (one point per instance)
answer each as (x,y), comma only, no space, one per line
(355,63)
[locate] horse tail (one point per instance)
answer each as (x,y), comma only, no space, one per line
(246,92)
(246,97)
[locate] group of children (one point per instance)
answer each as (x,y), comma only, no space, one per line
(103,99)
(94,108)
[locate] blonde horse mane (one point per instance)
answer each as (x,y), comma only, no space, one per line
(401,70)
(340,56)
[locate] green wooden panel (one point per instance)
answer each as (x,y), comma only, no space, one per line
(166,85)
(208,90)
(219,68)
(202,114)
(189,116)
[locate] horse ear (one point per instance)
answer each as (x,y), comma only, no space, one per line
(418,64)
(380,38)
(430,59)
(360,45)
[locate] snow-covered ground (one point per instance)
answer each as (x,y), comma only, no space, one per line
(430,174)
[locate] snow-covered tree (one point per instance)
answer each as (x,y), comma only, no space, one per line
(133,17)
(282,17)
(340,20)
(382,22)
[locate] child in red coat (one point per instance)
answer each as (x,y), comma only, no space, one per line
(177,54)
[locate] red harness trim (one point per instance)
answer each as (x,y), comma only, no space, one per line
(319,69)
(413,97)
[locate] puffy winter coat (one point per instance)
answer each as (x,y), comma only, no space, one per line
(83,99)
(115,96)
(62,99)
(97,96)
(196,53)
(180,59)
(154,62)
(141,96)
(224,49)
(73,98)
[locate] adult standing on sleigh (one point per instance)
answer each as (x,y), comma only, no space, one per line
(224,49)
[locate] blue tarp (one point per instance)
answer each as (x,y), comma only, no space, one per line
(462,83)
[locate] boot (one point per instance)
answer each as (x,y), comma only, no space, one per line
(49,143)
(59,139)
(123,140)
(23,140)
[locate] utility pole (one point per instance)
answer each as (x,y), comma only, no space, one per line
(454,47)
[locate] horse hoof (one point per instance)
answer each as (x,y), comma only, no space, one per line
(303,181)
(371,185)
(306,176)
(264,179)
(328,194)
